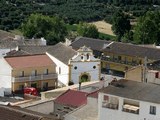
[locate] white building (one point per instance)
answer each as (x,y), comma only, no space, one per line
(84,66)
(75,66)
(129,100)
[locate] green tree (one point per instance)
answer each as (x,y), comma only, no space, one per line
(147,30)
(87,30)
(52,29)
(120,24)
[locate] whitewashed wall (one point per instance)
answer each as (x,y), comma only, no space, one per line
(112,114)
(84,67)
(63,77)
(151,77)
(5,75)
(84,64)
(145,109)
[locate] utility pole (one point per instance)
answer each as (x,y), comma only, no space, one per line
(144,70)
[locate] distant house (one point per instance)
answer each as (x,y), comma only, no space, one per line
(149,74)
(31,70)
(9,43)
(16,113)
(129,100)
(68,101)
(117,57)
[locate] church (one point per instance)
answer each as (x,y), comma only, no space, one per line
(74,66)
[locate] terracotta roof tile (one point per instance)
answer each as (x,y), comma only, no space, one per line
(93,94)
(29,61)
(72,98)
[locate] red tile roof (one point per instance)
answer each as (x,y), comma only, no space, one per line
(93,94)
(72,98)
(29,61)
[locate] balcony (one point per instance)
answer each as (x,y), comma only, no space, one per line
(109,105)
(131,109)
(118,61)
(34,78)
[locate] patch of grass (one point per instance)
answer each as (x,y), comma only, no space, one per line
(16,32)
(71,27)
(106,36)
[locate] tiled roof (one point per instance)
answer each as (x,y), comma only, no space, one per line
(72,98)
(34,49)
(29,61)
(11,42)
(134,90)
(93,94)
(133,50)
(15,113)
(94,44)
(16,53)
(62,52)
(117,48)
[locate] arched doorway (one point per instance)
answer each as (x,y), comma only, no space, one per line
(84,77)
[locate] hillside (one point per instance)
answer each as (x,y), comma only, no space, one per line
(14,12)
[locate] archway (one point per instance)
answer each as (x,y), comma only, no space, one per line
(84,77)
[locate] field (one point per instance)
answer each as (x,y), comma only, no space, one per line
(105,33)
(103,27)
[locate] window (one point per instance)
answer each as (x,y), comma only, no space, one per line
(34,73)
(119,57)
(105,98)
(81,57)
(59,70)
(46,72)
(156,75)
(153,110)
(75,67)
(45,86)
(21,74)
(125,60)
(87,56)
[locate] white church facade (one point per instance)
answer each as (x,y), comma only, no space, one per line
(84,66)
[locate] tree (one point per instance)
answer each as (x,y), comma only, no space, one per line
(87,30)
(52,29)
(147,30)
(120,24)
